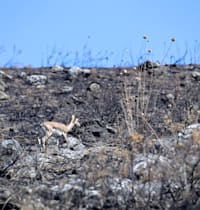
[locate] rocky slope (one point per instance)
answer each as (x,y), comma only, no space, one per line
(137,146)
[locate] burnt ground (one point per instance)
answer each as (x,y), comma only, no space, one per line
(112,105)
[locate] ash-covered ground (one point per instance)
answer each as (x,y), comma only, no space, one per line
(137,146)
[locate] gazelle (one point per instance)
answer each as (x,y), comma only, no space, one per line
(51,127)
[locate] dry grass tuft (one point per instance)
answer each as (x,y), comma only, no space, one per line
(102,174)
(196,136)
(136,137)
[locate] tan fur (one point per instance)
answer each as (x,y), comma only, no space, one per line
(51,127)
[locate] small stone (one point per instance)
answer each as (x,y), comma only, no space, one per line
(67,89)
(10,146)
(196,75)
(125,72)
(187,132)
(149,65)
(57,68)
(22,75)
(4,96)
(170,96)
(3,86)
(5,76)
(37,79)
(75,71)
(111,129)
(95,87)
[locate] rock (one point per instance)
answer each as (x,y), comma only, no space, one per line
(4,96)
(3,117)
(187,132)
(126,72)
(165,146)
(57,68)
(73,188)
(74,144)
(189,67)
(122,189)
(170,97)
(73,155)
(67,89)
(151,192)
(93,199)
(196,75)
(25,168)
(3,75)
(3,86)
(149,65)
(167,98)
(111,129)
(74,150)
(75,71)
(121,185)
(95,87)
(151,167)
(22,75)
(10,146)
(36,79)
(97,131)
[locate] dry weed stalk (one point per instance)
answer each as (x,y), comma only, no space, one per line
(135,107)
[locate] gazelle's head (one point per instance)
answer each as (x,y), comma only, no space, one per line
(77,122)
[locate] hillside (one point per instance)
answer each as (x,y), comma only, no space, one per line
(137,146)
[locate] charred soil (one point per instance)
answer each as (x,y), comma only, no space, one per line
(113,105)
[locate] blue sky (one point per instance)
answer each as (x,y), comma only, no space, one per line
(97,29)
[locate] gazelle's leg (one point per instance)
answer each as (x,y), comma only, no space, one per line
(45,139)
(65,136)
(57,142)
(39,141)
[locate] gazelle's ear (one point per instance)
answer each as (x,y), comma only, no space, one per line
(77,122)
(73,117)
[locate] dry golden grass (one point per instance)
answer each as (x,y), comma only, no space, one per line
(175,127)
(196,136)
(102,174)
(110,160)
(136,137)
(124,169)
